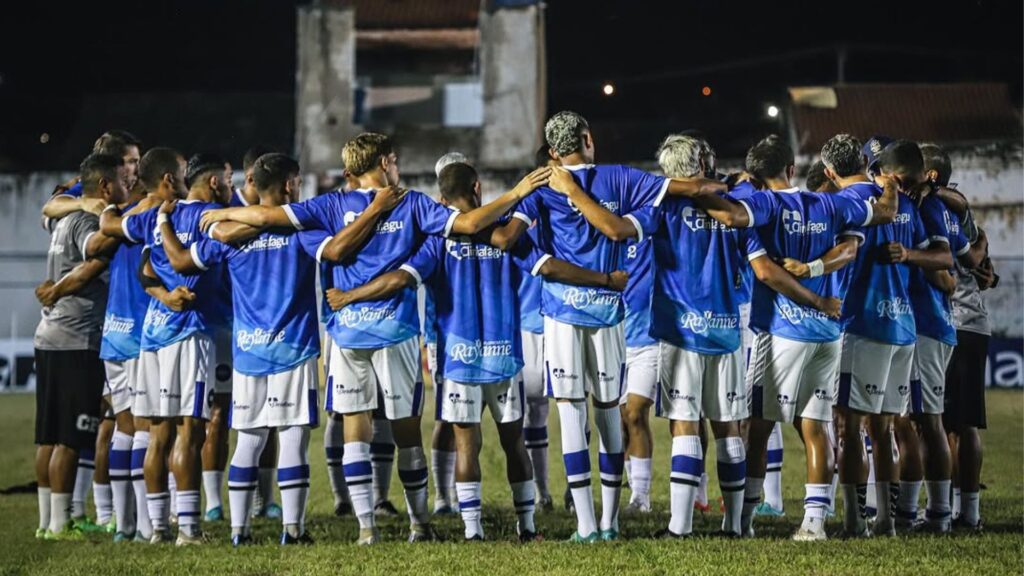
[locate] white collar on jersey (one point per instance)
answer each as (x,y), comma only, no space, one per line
(788,190)
(577,166)
(192,201)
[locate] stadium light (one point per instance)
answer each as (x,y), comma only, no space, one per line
(773,111)
(706,91)
(608,89)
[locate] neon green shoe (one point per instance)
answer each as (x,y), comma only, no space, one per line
(70,533)
(109,527)
(85,524)
(40,533)
(609,535)
(590,539)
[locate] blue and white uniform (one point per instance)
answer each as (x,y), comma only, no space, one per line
(480,352)
(878,348)
(375,345)
(795,354)
(178,351)
(531,328)
(275,340)
(641,348)
(583,332)
(429,332)
(936,335)
(745,280)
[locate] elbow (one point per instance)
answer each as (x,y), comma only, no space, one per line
(622,233)
(884,216)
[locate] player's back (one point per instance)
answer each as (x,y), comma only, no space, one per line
(126,305)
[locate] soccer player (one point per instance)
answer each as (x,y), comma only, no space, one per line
(479,340)
(374,359)
(67,198)
(880,330)
(276,345)
(69,372)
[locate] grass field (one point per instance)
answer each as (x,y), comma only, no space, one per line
(997,551)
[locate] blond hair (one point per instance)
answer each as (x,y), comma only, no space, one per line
(364,152)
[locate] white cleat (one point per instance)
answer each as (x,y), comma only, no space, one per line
(638,507)
(368,536)
(810,534)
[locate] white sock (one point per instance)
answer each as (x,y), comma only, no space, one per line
(83,482)
(469,507)
(640,480)
(816,505)
(871,500)
(172,490)
(524,502)
(212,481)
(906,507)
(140,443)
(882,502)
(243,475)
(969,504)
(938,501)
(157,505)
(293,476)
(610,461)
(576,456)
(751,498)
(44,507)
(334,448)
(60,511)
(954,503)
(188,511)
(412,470)
(732,479)
(359,476)
(701,497)
(773,473)
(687,466)
(121,482)
(442,464)
(265,487)
(382,450)
(535,437)
(103,498)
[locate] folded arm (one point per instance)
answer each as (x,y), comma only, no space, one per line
(772,275)
(567,273)
(49,293)
(838,256)
(383,286)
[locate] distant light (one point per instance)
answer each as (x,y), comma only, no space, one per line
(608,89)
(44,138)
(706,90)
(773,111)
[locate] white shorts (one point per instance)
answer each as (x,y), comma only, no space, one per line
(694,384)
(432,361)
(222,371)
(175,380)
(464,403)
(874,376)
(788,379)
(361,380)
(533,364)
(581,360)
(641,372)
(928,375)
(287,398)
(746,334)
(119,388)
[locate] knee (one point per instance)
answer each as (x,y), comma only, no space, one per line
(634,415)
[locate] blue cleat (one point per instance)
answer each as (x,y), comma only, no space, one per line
(273,511)
(609,535)
(215,514)
(766,509)
(589,539)
(239,540)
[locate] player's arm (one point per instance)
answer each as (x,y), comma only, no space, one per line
(179,256)
(611,225)
(838,256)
(475,221)
(885,207)
(772,275)
(954,200)
(976,253)
(61,205)
(256,216)
(942,280)
(381,287)
(347,241)
(232,232)
(48,293)
(936,256)
(568,273)
(504,236)
(178,299)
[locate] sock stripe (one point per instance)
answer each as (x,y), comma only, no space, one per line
(577,462)
(687,465)
(293,486)
(579,484)
(300,472)
(687,481)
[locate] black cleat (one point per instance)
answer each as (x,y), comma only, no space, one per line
(288,540)
(666,534)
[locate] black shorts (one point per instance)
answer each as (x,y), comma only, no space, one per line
(965,383)
(69,388)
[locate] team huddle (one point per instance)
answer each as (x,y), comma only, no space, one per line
(177,306)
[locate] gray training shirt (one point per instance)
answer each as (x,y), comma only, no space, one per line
(74,322)
(969,312)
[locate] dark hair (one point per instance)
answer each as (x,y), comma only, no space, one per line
(115,142)
(273,170)
(96,166)
(542,157)
(816,177)
(456,181)
(156,163)
(252,154)
(842,154)
(902,157)
(769,158)
(199,165)
(935,158)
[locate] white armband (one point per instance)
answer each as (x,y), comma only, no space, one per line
(161,218)
(110,207)
(817,268)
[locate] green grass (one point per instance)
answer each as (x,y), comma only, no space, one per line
(997,551)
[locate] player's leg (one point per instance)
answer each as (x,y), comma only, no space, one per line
(120,476)
(382,450)
(296,413)
(911,470)
(45,434)
(442,465)
(969,420)
(243,476)
(724,403)
(461,408)
(772,505)
(895,398)
(102,497)
(334,448)
(84,473)
(506,402)
(194,371)
(931,359)
(263,504)
(679,400)
(214,455)
(641,386)
(535,421)
(605,365)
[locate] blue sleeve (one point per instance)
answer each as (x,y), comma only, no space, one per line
(645,220)
(920,236)
(851,213)
(323,212)
(761,207)
(958,241)
(237,201)
(750,242)
(644,189)
(528,208)
(527,256)
(312,241)
(941,225)
(424,262)
(431,216)
(74,192)
(138,228)
(206,252)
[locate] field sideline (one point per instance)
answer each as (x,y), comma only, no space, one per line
(998,551)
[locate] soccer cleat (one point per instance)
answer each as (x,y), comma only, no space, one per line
(474,538)
(215,514)
(343,509)
(637,507)
(385,508)
(527,536)
(85,524)
(589,539)
(423,533)
(273,511)
(40,533)
(862,531)
(766,509)
(545,503)
(810,534)
(239,540)
(70,533)
(140,538)
(368,536)
(120,537)
(609,535)
(161,537)
(666,534)
(963,525)
(886,528)
(931,527)
(303,539)
(442,508)
(186,539)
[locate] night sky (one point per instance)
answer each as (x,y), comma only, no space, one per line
(659,59)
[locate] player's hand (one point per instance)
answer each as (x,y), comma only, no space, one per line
(70,183)
(561,181)
(387,198)
(831,307)
(167,206)
(985,274)
(894,253)
(617,280)
(45,294)
(920,192)
(532,181)
(93,205)
(797,268)
(336,299)
(211,217)
(179,299)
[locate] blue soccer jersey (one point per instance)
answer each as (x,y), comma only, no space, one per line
(478,339)
(398,235)
(637,295)
(530,319)
(126,305)
(745,279)
(313,242)
(75,191)
(877,304)
(932,307)
(567,235)
(429,317)
(212,309)
(237,200)
(804,226)
(274,293)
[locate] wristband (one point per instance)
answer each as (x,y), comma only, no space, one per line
(110,207)
(816,268)
(161,218)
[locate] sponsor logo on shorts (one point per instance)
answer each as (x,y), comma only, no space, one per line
(245,339)
(938,390)
(873,390)
(340,388)
(731,397)
(353,317)
(239,407)
(700,323)
(784,400)
(502,398)
(583,298)
(903,389)
(456,398)
(821,394)
(166,393)
(274,402)
(560,374)
(678,395)
(893,309)
(603,377)
(86,423)
(390,395)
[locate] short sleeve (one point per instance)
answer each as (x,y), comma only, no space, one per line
(851,212)
(206,252)
(920,236)
(645,189)
(432,217)
(750,241)
(73,192)
(958,241)
(313,242)
(237,200)
(761,207)
(138,228)
(528,209)
(527,256)
(645,220)
(423,263)
(322,212)
(84,229)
